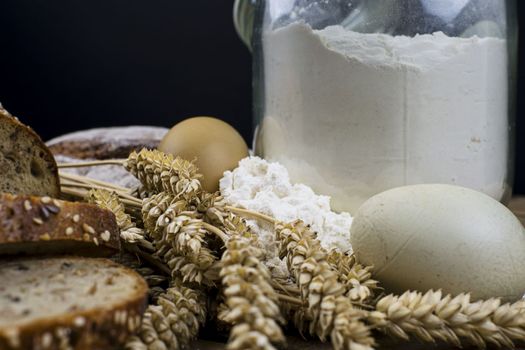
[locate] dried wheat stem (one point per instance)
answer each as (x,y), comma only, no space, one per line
(251,214)
(72,184)
(91,163)
(88,180)
(152,260)
(290,300)
(223,236)
(291,290)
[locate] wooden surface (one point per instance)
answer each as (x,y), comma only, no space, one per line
(517,206)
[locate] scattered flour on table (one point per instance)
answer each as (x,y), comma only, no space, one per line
(265,187)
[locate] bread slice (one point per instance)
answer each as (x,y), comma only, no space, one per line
(41,225)
(27,165)
(68,303)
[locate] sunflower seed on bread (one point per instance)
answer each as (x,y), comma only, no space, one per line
(62,303)
(42,225)
(26,164)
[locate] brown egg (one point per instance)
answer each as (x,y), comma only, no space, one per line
(216,146)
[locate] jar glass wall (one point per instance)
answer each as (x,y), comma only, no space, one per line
(357,97)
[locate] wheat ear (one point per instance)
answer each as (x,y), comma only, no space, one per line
(328,312)
(129,232)
(432,316)
(173,322)
(181,238)
(160,172)
(360,286)
(251,303)
(357,279)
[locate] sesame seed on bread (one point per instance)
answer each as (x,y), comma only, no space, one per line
(42,225)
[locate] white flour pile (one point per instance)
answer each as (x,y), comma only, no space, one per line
(353,114)
(265,187)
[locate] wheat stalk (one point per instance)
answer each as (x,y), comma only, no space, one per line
(161,172)
(251,303)
(432,316)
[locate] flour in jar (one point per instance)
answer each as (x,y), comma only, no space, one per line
(353,114)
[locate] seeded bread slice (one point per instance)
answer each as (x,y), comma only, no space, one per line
(68,303)
(41,225)
(27,166)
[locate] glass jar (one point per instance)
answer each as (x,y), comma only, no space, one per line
(357,97)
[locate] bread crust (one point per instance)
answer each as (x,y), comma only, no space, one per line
(98,328)
(42,225)
(7,119)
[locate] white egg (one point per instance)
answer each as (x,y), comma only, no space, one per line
(442,237)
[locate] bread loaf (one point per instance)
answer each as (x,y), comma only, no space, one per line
(107,143)
(68,303)
(32,225)
(26,164)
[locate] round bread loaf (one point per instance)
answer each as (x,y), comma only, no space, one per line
(107,143)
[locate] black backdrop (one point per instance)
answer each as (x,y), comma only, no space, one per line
(73,64)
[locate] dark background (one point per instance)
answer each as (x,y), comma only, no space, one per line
(73,64)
